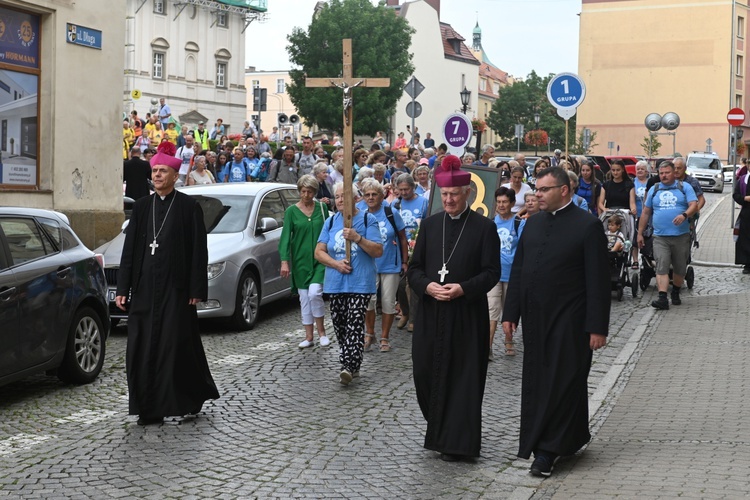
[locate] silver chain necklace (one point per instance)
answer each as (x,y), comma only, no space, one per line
(445,271)
(154,245)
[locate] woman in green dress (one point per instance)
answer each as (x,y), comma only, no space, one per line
(303,222)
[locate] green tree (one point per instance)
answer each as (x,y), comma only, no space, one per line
(518,103)
(576,146)
(651,145)
(380,49)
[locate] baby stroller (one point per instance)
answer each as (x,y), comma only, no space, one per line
(620,262)
(648,262)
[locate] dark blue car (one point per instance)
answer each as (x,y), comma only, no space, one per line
(53,299)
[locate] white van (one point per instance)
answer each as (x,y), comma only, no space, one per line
(707,169)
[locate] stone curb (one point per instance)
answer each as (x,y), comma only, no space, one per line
(701,223)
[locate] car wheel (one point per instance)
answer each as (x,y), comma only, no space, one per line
(247,303)
(84,353)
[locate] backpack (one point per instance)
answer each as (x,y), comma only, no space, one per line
(330,221)
(265,169)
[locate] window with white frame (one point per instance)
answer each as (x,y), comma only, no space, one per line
(280,86)
(160,6)
(483,84)
(740,65)
(740,27)
(738,101)
(221,75)
(221,19)
(157,72)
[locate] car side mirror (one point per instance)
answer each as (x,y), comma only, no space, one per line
(267,224)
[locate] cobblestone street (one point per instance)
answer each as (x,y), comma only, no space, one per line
(284,427)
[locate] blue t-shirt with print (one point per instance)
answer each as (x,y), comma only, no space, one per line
(237,172)
(362,277)
(506,231)
(668,203)
(390,261)
(412,211)
(640,195)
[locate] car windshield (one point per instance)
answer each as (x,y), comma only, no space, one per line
(225,214)
(708,163)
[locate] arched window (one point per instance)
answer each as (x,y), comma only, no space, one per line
(159,47)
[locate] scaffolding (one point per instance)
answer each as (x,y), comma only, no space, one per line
(250,10)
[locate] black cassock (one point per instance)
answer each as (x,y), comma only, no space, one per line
(451,339)
(166,365)
(742,246)
(559,288)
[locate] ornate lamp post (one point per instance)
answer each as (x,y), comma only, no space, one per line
(536,126)
(465,97)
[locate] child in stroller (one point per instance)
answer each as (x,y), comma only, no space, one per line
(618,228)
(615,238)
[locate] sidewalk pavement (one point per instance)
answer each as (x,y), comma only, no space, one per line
(677,425)
(715,234)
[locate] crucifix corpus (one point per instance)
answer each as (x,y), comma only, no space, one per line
(347,83)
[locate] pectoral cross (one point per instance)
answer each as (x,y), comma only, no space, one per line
(442,273)
(154,245)
(347,83)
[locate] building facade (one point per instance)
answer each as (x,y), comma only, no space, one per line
(277,102)
(443,64)
(491,80)
(192,53)
(61,109)
(684,56)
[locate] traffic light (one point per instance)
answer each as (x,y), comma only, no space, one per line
(260,96)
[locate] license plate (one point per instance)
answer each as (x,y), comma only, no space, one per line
(703,183)
(111,294)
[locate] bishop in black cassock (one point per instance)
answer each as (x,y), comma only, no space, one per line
(451,329)
(559,288)
(163,269)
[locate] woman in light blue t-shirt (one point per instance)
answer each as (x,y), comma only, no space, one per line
(349,283)
(389,266)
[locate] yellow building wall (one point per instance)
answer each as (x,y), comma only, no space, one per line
(657,56)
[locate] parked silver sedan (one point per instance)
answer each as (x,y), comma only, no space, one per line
(243,221)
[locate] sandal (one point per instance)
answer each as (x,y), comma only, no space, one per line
(634,266)
(385,345)
(368,342)
(510,349)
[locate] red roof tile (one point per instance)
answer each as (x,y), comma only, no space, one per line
(452,41)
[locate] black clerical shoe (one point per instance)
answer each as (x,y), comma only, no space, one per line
(447,457)
(543,465)
(746,270)
(150,420)
(196,410)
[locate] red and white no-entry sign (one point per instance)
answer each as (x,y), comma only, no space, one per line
(736,117)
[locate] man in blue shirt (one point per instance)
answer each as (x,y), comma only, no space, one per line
(672,203)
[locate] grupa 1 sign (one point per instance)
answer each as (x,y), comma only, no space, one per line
(566,92)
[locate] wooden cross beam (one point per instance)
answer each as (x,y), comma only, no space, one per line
(347,83)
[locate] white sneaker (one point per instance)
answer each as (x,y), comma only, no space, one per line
(306,343)
(345,377)
(324,341)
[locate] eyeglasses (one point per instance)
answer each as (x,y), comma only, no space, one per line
(370,195)
(546,189)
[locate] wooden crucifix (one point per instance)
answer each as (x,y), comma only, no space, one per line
(347,83)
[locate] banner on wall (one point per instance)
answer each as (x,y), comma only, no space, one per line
(19,38)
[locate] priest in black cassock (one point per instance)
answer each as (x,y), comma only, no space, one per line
(163,271)
(456,261)
(559,288)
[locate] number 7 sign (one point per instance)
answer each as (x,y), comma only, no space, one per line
(457,132)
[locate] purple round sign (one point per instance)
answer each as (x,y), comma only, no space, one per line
(457,130)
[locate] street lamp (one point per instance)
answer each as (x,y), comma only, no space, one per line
(536,143)
(465,97)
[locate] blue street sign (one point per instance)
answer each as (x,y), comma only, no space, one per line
(457,130)
(566,90)
(80,35)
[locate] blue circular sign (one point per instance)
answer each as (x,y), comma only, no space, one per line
(566,91)
(457,130)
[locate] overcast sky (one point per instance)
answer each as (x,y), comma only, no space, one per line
(517,35)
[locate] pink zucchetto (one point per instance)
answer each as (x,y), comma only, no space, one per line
(450,173)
